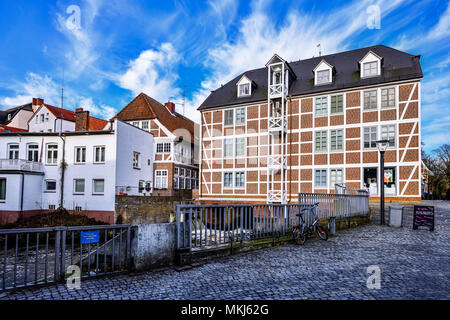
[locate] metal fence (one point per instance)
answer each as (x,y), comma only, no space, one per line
(207,226)
(337,205)
(37,256)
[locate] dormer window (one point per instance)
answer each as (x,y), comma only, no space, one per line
(277,77)
(370,69)
(323,73)
(323,76)
(370,65)
(244,87)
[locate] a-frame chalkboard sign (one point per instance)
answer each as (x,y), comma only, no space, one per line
(423,217)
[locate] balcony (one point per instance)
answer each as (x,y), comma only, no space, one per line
(21,165)
(183,159)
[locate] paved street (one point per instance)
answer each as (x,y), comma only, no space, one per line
(414,264)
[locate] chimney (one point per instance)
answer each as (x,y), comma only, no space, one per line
(36,103)
(170,106)
(81,120)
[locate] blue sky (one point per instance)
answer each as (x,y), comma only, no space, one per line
(117,49)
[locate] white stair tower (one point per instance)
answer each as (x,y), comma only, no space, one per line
(278,85)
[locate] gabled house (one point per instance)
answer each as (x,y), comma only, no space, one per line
(17,117)
(175,147)
(48,118)
(309,125)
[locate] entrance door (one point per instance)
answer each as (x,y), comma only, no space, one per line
(370,180)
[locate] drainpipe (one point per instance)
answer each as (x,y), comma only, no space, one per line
(21,194)
(290,147)
(63,169)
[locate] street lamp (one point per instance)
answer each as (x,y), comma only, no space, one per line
(382,146)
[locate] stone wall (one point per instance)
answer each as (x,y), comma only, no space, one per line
(141,209)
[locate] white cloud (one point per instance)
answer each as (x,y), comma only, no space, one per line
(152,72)
(37,86)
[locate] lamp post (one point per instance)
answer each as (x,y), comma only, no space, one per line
(382,146)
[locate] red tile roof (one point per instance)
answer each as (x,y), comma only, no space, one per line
(4,128)
(94,123)
(144,107)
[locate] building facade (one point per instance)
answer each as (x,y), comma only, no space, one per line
(82,171)
(308,125)
(175,147)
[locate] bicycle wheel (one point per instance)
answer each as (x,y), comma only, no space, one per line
(299,237)
(321,232)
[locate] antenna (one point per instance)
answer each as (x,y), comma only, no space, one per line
(62,102)
(320,49)
(184,98)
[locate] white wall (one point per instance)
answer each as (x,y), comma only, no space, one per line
(20,120)
(50,123)
(131,139)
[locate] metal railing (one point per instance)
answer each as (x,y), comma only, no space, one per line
(37,256)
(22,165)
(337,205)
(208,226)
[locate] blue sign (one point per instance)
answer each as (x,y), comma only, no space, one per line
(90,237)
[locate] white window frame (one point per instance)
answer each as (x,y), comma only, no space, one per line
(225,184)
(146,126)
(93,187)
(80,155)
(388,106)
(13,151)
(337,140)
(322,113)
(320,185)
(161,179)
(241,173)
(3,197)
(323,79)
(35,152)
(371,146)
(54,151)
(136,160)
(46,186)
(240,118)
(102,155)
(244,90)
(337,103)
(370,69)
(75,186)
(243,144)
(365,108)
(225,149)
(393,140)
(229,111)
(322,147)
(333,183)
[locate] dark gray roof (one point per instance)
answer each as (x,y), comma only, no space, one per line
(396,65)
(12,112)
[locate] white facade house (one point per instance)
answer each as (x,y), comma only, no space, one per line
(81,171)
(44,120)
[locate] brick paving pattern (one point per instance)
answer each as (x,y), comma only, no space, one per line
(414,265)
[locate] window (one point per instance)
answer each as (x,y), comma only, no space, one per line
(336,139)
(182,172)
(141,186)
(13,151)
(98,186)
(321,141)
(323,76)
(240,147)
(136,123)
(337,104)
(240,116)
(388,98)
(244,89)
(188,183)
(228,117)
(52,206)
(145,124)
(182,183)
(336,177)
(50,185)
(370,99)
(52,153)
(33,152)
(175,182)
(370,136)
(159,147)
(167,147)
(370,69)
(388,133)
(321,106)
(80,154)
(78,186)
(161,179)
(320,177)
(228,148)
(240,180)
(47,117)
(99,154)
(136,160)
(277,77)
(228,179)
(42,118)
(2,189)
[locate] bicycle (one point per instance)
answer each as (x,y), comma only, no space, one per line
(302,231)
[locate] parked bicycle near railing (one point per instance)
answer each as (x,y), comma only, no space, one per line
(302,230)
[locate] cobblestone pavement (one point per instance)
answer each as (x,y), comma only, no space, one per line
(414,265)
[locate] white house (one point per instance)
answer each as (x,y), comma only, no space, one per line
(79,170)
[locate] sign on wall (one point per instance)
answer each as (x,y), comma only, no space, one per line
(423,217)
